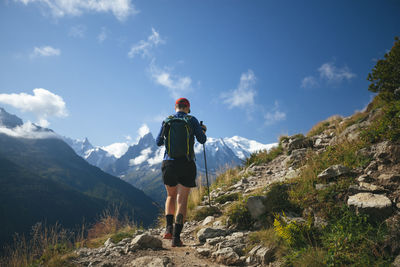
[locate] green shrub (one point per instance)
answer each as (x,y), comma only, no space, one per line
(225,198)
(351,239)
(295,234)
(386,127)
(240,216)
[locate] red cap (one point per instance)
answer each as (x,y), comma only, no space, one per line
(183,101)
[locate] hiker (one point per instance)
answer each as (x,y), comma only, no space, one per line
(178,167)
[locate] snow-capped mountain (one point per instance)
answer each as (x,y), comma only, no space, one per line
(81,147)
(140,165)
(8,120)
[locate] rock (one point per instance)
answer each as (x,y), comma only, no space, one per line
(334,171)
(373,166)
(218,224)
(299,142)
(386,151)
(255,205)
(207,220)
(389,177)
(150,261)
(297,156)
(203,251)
(208,232)
(108,243)
(366,187)
(214,241)
(265,255)
(226,256)
(364,178)
(378,206)
(396,262)
(147,241)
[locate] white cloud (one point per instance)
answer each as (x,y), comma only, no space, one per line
(42,103)
(45,51)
(116,149)
(274,115)
(331,73)
(77,31)
(244,94)
(328,72)
(28,130)
(144,155)
(309,82)
(143,130)
(102,35)
(143,47)
(121,9)
(176,85)
(158,157)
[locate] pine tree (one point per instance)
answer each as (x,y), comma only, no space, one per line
(385,76)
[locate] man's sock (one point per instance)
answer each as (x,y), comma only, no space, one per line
(178,226)
(170,222)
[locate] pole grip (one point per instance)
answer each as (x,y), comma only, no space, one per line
(201,123)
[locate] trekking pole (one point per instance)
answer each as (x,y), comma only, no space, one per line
(205,165)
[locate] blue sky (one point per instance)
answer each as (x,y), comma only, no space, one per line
(257,69)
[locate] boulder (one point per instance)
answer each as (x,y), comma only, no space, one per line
(207,220)
(146,241)
(203,251)
(255,205)
(265,255)
(334,171)
(377,206)
(209,232)
(150,261)
(297,156)
(386,151)
(226,256)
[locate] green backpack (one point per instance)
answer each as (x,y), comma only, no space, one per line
(177,136)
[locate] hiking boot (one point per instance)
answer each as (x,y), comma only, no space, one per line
(176,242)
(168,232)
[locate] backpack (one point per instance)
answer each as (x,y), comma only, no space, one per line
(177,136)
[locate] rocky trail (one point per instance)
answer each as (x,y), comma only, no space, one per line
(213,242)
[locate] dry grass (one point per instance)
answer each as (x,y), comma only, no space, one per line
(331,122)
(227,178)
(53,245)
(45,244)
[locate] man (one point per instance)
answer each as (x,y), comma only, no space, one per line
(179,173)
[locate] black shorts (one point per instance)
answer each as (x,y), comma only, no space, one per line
(179,172)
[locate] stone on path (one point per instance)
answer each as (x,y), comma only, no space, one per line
(373,204)
(147,241)
(208,232)
(334,171)
(149,261)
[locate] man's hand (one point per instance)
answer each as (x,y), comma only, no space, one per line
(204,128)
